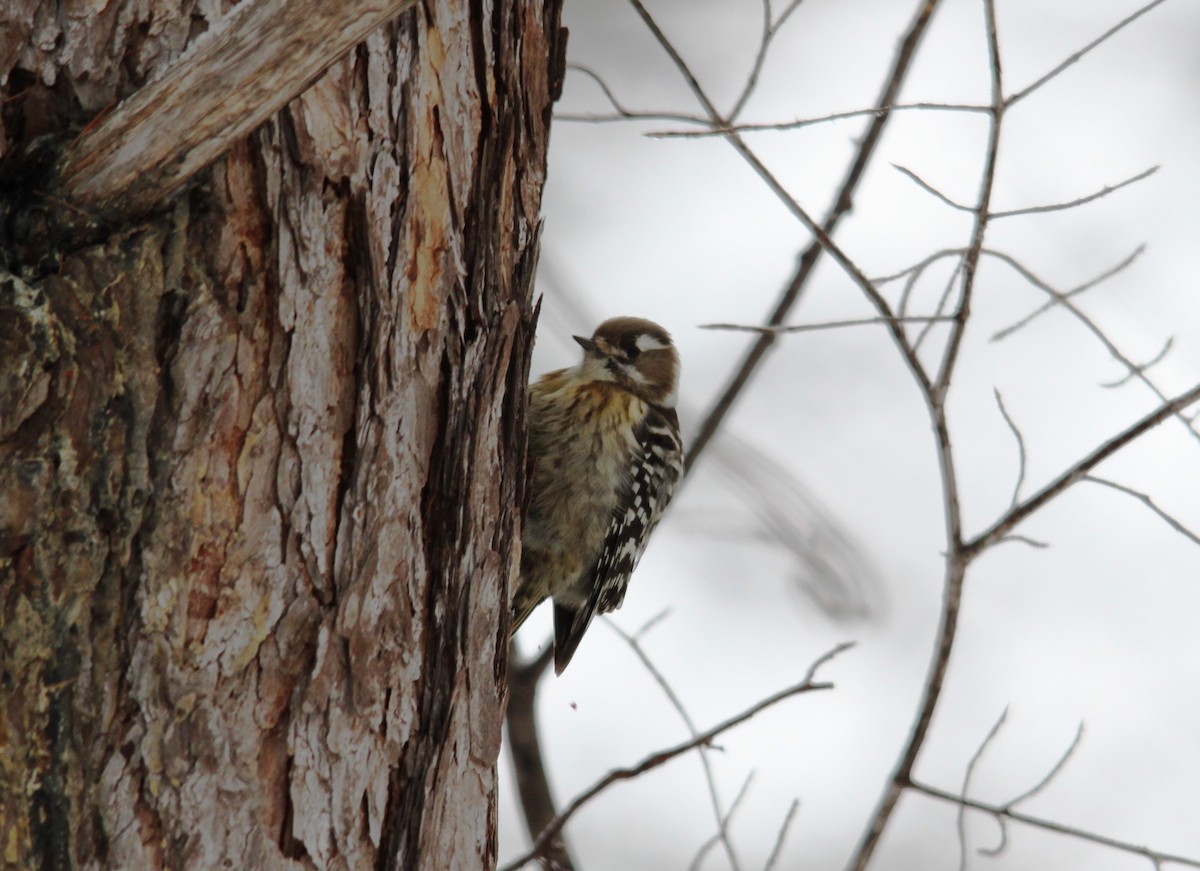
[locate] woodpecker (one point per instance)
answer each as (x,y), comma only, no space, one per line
(604,458)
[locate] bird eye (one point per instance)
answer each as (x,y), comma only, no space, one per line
(632,352)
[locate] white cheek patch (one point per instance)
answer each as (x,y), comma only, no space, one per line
(647,342)
(594,369)
(633,374)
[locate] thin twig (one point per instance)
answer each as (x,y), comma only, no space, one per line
(1077,56)
(1053,772)
(1079,471)
(777,329)
(677,704)
(943,300)
(777,849)
(783,126)
(1004,812)
(1020,448)
(649,624)
(631,115)
(1057,296)
(1112,349)
(791,293)
(722,825)
(621,112)
(1023,539)
(1141,368)
(957,558)
(769,31)
(1149,503)
(919,267)
(654,760)
(1059,207)
(966,786)
(970,261)
(930,189)
(1028,210)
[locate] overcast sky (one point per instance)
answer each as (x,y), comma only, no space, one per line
(1100,627)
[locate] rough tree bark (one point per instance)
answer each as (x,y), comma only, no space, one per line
(261,453)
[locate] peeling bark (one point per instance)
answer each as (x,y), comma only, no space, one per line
(261,454)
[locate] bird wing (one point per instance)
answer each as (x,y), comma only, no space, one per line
(657,470)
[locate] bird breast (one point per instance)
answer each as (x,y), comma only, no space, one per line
(581,443)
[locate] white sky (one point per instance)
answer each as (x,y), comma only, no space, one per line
(1100,627)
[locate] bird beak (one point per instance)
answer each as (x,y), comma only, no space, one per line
(586,344)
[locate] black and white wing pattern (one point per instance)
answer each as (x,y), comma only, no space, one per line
(656,471)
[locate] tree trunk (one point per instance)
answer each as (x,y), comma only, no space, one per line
(261,453)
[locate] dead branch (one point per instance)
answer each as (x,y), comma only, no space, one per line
(1057,296)
(966,786)
(792,291)
(1149,503)
(1089,198)
(1060,299)
(798,123)
(722,835)
(1075,57)
(230,82)
(663,756)
(1006,812)
(777,329)
(1020,448)
(777,849)
(1078,472)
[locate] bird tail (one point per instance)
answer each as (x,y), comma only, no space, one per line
(569,626)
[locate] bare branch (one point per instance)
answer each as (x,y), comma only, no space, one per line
(1027,794)
(777,849)
(957,558)
(663,756)
(1023,539)
(769,31)
(231,81)
(901,64)
(720,816)
(966,786)
(1149,503)
(1056,296)
(1077,56)
(920,266)
(1059,207)
(983,204)
(930,189)
(1061,299)
(827,325)
(649,624)
(783,126)
(621,112)
(1029,210)
(1079,471)
(1003,812)
(943,301)
(1020,449)
(1141,368)
(715,117)
(1053,772)
(721,835)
